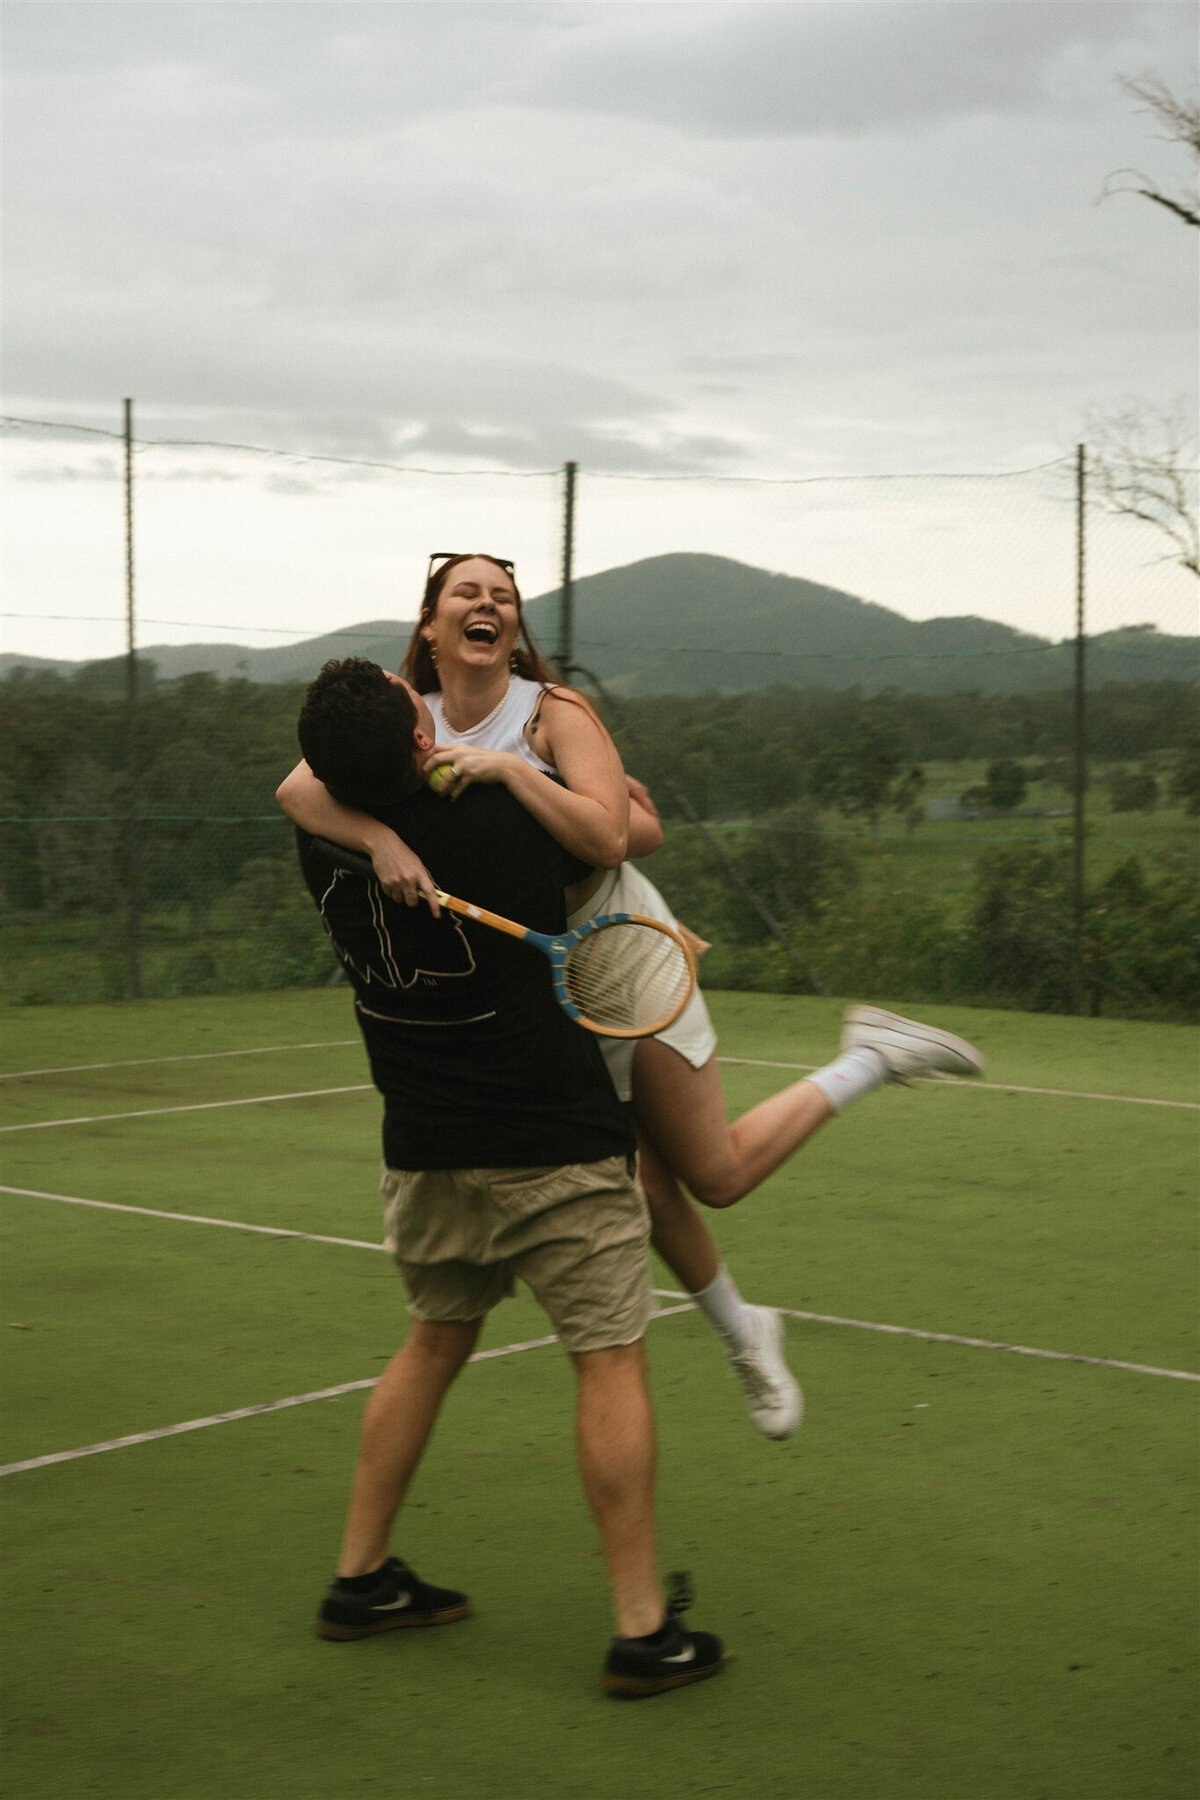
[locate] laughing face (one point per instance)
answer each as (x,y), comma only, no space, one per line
(476,618)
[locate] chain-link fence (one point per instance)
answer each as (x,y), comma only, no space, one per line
(869,778)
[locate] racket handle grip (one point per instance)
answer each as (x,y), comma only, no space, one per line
(340,857)
(467,910)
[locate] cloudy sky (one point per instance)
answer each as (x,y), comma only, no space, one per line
(808,238)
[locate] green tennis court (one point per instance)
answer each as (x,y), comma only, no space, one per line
(970,1576)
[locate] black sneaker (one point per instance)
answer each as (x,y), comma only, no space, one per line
(635,1669)
(399,1599)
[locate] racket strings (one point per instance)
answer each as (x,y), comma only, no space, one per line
(628,976)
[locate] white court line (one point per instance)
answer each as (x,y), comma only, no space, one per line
(153,1112)
(973,1343)
(151,1212)
(914,1331)
(984,1087)
(996,1087)
(280,1231)
(141,1062)
(970,1343)
(267,1406)
(746,1062)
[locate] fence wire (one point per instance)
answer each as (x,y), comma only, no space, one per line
(903,817)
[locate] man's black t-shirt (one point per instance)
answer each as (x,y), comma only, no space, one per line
(478,1064)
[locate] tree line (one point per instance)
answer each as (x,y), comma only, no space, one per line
(211,747)
(740,755)
(222,909)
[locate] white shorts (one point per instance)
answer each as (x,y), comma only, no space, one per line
(692,1035)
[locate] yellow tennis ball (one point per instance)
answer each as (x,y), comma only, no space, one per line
(440,777)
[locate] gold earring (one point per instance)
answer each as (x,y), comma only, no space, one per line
(513,665)
(432,651)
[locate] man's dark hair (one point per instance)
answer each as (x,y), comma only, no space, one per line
(356,733)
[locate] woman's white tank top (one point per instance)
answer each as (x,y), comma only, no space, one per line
(504,727)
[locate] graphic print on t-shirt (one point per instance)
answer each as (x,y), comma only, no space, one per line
(368,952)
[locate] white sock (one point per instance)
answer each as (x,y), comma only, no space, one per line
(724,1307)
(855,1073)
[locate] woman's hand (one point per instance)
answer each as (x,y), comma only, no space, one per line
(467,764)
(589,816)
(645,827)
(401,873)
(639,793)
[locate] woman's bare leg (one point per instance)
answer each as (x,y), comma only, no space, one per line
(681,1110)
(752,1336)
(678,1231)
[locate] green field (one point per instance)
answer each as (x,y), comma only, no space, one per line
(970,1576)
(946,851)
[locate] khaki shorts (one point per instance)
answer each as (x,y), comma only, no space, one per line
(577,1236)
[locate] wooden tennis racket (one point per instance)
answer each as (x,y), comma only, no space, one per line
(620,975)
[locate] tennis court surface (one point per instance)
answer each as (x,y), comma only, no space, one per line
(970,1576)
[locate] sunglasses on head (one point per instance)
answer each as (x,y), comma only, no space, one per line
(445,556)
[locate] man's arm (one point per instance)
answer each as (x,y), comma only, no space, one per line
(399,871)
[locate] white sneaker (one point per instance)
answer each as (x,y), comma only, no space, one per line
(772,1391)
(908,1047)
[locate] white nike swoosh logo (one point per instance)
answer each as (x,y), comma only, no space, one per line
(687,1655)
(394,1605)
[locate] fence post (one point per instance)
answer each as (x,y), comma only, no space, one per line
(566,597)
(1080,778)
(132,872)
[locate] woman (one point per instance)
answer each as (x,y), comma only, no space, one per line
(500,717)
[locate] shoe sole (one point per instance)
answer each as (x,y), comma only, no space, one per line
(342,1634)
(636,1687)
(913,1032)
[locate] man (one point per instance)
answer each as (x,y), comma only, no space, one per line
(506,1154)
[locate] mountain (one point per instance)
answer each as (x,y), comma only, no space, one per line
(11,662)
(687,624)
(382,640)
(691,624)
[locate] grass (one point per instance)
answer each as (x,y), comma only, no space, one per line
(945,851)
(966,1578)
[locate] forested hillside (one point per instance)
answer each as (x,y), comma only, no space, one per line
(688,624)
(694,624)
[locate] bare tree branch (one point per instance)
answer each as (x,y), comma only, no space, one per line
(1188,214)
(1179,118)
(1114,184)
(1143,464)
